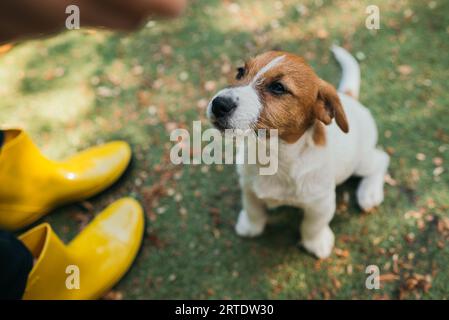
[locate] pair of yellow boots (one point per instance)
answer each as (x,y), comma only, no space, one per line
(32,185)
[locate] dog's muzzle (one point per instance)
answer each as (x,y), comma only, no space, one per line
(221,109)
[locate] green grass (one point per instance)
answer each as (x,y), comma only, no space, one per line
(81,88)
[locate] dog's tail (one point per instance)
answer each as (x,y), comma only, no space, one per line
(350,80)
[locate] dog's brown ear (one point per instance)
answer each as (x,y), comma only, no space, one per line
(328,106)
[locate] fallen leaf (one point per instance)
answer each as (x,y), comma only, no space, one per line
(5,48)
(113,295)
(341,253)
(438,171)
(405,70)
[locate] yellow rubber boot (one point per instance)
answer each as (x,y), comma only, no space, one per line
(31,185)
(91,263)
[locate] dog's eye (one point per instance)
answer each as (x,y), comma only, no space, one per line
(277,88)
(240,73)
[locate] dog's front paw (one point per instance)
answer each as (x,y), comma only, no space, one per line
(321,244)
(247,228)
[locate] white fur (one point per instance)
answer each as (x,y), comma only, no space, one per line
(350,78)
(266,68)
(308,174)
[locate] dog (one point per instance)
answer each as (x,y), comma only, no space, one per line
(325,137)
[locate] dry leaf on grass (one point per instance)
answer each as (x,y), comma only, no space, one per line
(113,295)
(405,70)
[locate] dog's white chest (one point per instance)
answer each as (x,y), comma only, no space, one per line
(275,191)
(299,178)
(279,189)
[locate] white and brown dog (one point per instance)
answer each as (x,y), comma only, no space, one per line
(279,90)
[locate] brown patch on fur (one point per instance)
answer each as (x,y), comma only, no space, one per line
(329,106)
(290,113)
(319,134)
(308,98)
(253,66)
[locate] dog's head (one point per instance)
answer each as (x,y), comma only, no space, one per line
(276,90)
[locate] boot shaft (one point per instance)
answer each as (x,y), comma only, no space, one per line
(23,168)
(54,265)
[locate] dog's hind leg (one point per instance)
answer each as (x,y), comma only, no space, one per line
(372,169)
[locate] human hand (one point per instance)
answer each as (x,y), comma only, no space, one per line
(31,18)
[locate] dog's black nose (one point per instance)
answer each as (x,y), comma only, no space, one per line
(222,106)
